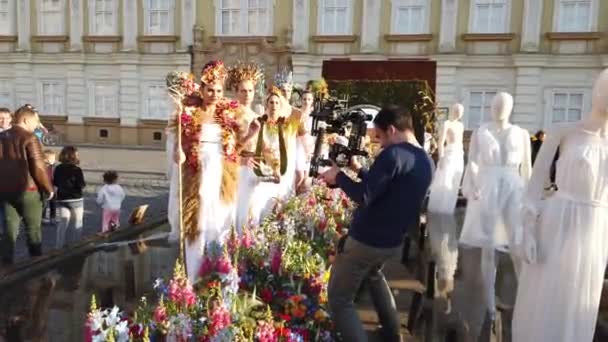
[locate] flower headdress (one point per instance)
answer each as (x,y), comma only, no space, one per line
(284,78)
(319,88)
(214,71)
(180,84)
(274,91)
(244,72)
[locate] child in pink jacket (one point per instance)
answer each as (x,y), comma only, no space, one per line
(110,198)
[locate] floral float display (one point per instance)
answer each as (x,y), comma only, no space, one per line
(268,284)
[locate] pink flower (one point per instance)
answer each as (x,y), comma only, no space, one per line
(266,333)
(322,225)
(207,267)
(275,264)
(160,314)
(220,319)
(247,240)
(223,265)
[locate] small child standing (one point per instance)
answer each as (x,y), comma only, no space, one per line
(110,198)
(50,158)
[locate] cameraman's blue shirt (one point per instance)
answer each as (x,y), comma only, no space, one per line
(389,196)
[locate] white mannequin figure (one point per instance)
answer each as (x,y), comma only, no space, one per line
(446,183)
(444,194)
(498,169)
(560,288)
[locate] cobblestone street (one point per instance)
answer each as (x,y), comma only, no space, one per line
(142,175)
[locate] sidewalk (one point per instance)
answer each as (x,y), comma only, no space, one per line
(123,160)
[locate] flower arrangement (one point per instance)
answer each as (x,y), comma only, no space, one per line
(268,283)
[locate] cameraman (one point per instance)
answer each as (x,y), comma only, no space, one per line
(389,198)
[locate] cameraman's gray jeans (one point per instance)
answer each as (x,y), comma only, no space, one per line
(360,263)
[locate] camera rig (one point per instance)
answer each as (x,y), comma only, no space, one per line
(350,124)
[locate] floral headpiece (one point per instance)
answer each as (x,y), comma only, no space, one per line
(214,71)
(244,72)
(274,91)
(181,84)
(319,88)
(284,78)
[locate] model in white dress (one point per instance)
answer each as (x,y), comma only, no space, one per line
(266,194)
(559,290)
(215,218)
(448,175)
(305,143)
(498,169)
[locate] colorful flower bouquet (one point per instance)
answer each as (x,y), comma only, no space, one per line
(268,284)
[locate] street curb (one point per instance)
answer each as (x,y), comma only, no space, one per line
(112,147)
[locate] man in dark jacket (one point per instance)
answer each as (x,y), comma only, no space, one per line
(24,183)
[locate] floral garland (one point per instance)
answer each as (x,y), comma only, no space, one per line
(192,127)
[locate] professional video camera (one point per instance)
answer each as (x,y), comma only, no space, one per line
(332,117)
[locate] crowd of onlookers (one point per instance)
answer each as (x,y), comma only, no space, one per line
(38,187)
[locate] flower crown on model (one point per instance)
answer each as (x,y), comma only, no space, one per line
(244,72)
(214,71)
(284,78)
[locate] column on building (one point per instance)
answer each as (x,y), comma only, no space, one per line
(188,19)
(449,21)
(527,111)
(76,24)
(25,84)
(128,103)
(446,84)
(76,97)
(129,17)
(301,25)
(23,25)
(370,31)
(531,25)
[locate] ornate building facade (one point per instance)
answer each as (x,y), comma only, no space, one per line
(95,68)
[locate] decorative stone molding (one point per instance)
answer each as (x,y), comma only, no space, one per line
(50,39)
(370,31)
(157,39)
(449,20)
(408,37)
(8,39)
(488,37)
(301,25)
(532,20)
(93,121)
(76,24)
(573,35)
(149,123)
(335,39)
(244,39)
(101,39)
(130,25)
(23,25)
(53,119)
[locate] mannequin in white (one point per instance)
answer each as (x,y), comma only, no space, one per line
(498,169)
(442,224)
(560,287)
(446,183)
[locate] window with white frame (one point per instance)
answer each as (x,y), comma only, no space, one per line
(51,17)
(103,17)
(480,107)
(103,99)
(575,15)
(6,94)
(410,17)
(159,17)
(156,102)
(7,17)
(567,106)
(244,17)
(52,97)
(335,17)
(489,16)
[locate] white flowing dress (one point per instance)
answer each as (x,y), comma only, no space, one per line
(558,297)
(215,217)
(499,166)
(446,183)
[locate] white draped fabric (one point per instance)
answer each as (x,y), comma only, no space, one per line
(215,217)
(446,182)
(558,297)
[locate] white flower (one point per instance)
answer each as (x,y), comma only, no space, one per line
(122,329)
(158,283)
(112,319)
(97,320)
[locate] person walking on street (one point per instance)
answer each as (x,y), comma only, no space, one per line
(110,198)
(24,183)
(69,181)
(49,158)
